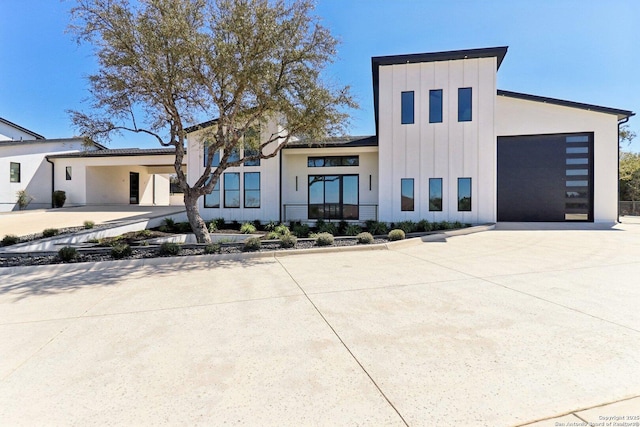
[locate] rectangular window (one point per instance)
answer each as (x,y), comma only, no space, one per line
(67,173)
(435,106)
(251,145)
(14,172)
(464,194)
(406,194)
(252,189)
(235,155)
(330,161)
(435,194)
(407,108)
(231,190)
(464,104)
(216,158)
(333,197)
(212,200)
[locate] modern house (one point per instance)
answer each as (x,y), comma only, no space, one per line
(90,174)
(448,146)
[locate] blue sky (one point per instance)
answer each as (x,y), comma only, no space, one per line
(579,50)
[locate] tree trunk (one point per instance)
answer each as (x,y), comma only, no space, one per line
(198,225)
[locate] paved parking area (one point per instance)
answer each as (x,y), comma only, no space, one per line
(500,328)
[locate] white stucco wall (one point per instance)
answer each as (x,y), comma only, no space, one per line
(269,169)
(447,150)
(35,171)
(523,117)
(295,165)
(8,133)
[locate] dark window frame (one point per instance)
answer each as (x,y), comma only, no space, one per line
(340,205)
(433,206)
(462,207)
(407,107)
(67,173)
(333,161)
(216,190)
(435,111)
(246,189)
(463,114)
(231,190)
(15,176)
(215,162)
(405,207)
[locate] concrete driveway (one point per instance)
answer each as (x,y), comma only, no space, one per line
(500,328)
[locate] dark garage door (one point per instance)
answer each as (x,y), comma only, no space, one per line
(545,177)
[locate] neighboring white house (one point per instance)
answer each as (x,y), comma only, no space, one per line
(448,146)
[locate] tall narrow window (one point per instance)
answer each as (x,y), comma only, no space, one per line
(435,194)
(252,189)
(235,155)
(435,106)
(212,200)
(251,144)
(216,157)
(406,194)
(407,108)
(14,172)
(464,194)
(231,190)
(464,104)
(67,173)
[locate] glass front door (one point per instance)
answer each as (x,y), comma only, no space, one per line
(333,197)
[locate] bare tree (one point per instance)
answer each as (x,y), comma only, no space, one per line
(164,64)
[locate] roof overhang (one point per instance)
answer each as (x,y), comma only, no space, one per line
(21,129)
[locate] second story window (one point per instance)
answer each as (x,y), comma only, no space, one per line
(435,106)
(464,104)
(407,108)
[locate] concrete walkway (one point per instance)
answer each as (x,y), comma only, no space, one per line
(501,328)
(34,221)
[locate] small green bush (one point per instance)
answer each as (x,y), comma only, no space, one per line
(324,239)
(252,244)
(407,226)
(220,223)
(457,224)
(169,223)
(247,228)
(212,227)
(23,199)
(257,224)
(144,233)
(300,230)
(67,254)
(170,248)
(288,241)
(271,226)
(89,225)
(376,228)
(183,227)
(121,250)
(365,238)
(342,228)
(212,248)
(50,232)
(423,225)
(352,230)
(396,234)
(444,225)
(282,230)
(272,235)
(163,228)
(328,227)
(59,197)
(10,239)
(235,225)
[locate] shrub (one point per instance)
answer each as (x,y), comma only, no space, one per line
(328,227)
(444,225)
(423,225)
(144,233)
(288,241)
(50,232)
(272,235)
(407,226)
(183,227)
(59,197)
(10,239)
(169,223)
(396,234)
(212,248)
(257,224)
(282,230)
(247,228)
(213,227)
(376,228)
(365,238)
(271,226)
(324,239)
(89,224)
(163,228)
(252,244)
(235,225)
(67,254)
(342,228)
(352,230)
(170,248)
(23,199)
(220,223)
(300,230)
(319,223)
(457,224)
(120,250)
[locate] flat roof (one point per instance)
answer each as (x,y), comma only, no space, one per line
(622,114)
(342,141)
(117,152)
(450,55)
